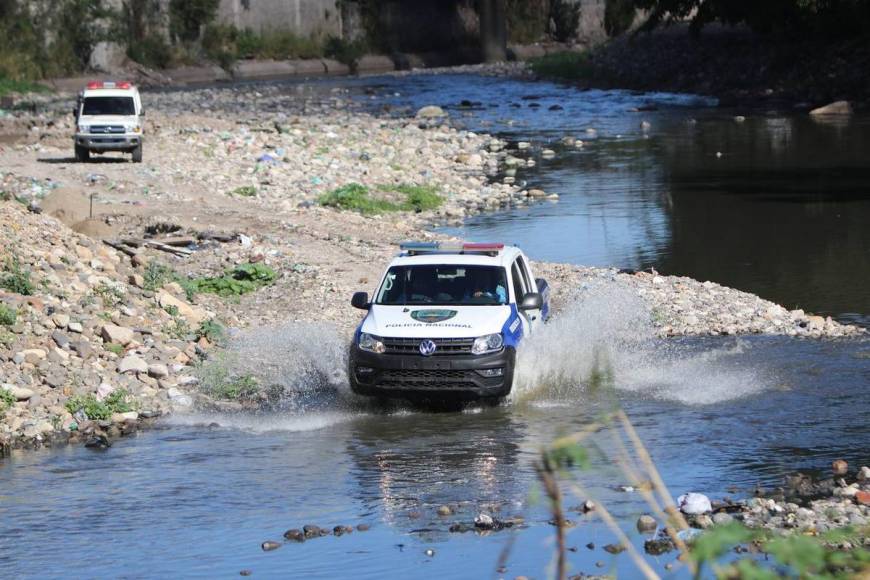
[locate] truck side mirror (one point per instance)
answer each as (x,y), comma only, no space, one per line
(532,301)
(360,300)
(142,113)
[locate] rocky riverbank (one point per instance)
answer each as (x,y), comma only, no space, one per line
(119,277)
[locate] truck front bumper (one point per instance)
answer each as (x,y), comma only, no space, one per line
(108,142)
(446,377)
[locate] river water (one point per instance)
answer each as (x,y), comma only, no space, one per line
(774,214)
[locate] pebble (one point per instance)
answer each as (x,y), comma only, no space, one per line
(268,546)
(839,466)
(484,521)
(445,511)
(295,535)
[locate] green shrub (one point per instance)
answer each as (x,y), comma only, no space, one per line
(565,17)
(420,197)
(243,387)
(618,16)
(93,409)
(245,191)
(237,281)
(187,17)
(563,65)
(115,348)
(8,85)
(15,279)
(118,401)
(178,328)
(7,399)
(354,196)
(211,330)
(156,275)
(345,52)
(152,51)
(225,44)
(7,315)
(110,294)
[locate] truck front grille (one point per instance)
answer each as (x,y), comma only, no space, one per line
(427,379)
(107,129)
(443,346)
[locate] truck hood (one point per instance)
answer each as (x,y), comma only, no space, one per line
(108,120)
(435,321)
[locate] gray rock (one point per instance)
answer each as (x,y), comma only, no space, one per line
(311,531)
(60,339)
(158,371)
(20,393)
(75,327)
(55,380)
(117,334)
(722,518)
(295,535)
(646,523)
(132,363)
(268,546)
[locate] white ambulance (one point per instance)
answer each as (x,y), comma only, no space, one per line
(108,118)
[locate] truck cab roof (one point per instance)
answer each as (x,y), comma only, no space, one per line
(416,253)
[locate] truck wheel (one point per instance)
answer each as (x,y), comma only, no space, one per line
(137,154)
(82,154)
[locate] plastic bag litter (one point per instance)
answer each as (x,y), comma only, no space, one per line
(694,504)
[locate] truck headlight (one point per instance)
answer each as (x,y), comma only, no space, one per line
(83,128)
(488,343)
(134,128)
(371,343)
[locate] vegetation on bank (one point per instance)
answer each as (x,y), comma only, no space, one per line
(570,66)
(118,401)
(356,197)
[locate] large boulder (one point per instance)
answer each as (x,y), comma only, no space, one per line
(431,112)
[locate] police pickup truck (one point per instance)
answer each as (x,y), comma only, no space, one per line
(445,322)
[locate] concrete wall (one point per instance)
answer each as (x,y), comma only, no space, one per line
(303,17)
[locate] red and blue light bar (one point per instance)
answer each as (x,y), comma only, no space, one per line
(109,85)
(413,248)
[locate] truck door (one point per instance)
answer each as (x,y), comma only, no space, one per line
(522,285)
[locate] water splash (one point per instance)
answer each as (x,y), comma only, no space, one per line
(605,341)
(286,367)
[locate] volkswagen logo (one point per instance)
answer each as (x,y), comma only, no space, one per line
(427,348)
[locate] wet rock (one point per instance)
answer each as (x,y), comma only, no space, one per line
(658,546)
(445,511)
(311,531)
(246,572)
(839,467)
(342,530)
(646,523)
(587,506)
(614,548)
(459,528)
(429,552)
(363,527)
(295,535)
(269,545)
(117,334)
(98,441)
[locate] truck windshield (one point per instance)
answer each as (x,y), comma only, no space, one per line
(444,285)
(108,106)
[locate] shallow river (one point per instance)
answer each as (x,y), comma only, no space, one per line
(198,495)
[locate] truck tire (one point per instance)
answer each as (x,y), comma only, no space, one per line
(82,154)
(137,154)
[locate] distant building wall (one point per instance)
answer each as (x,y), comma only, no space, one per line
(303,17)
